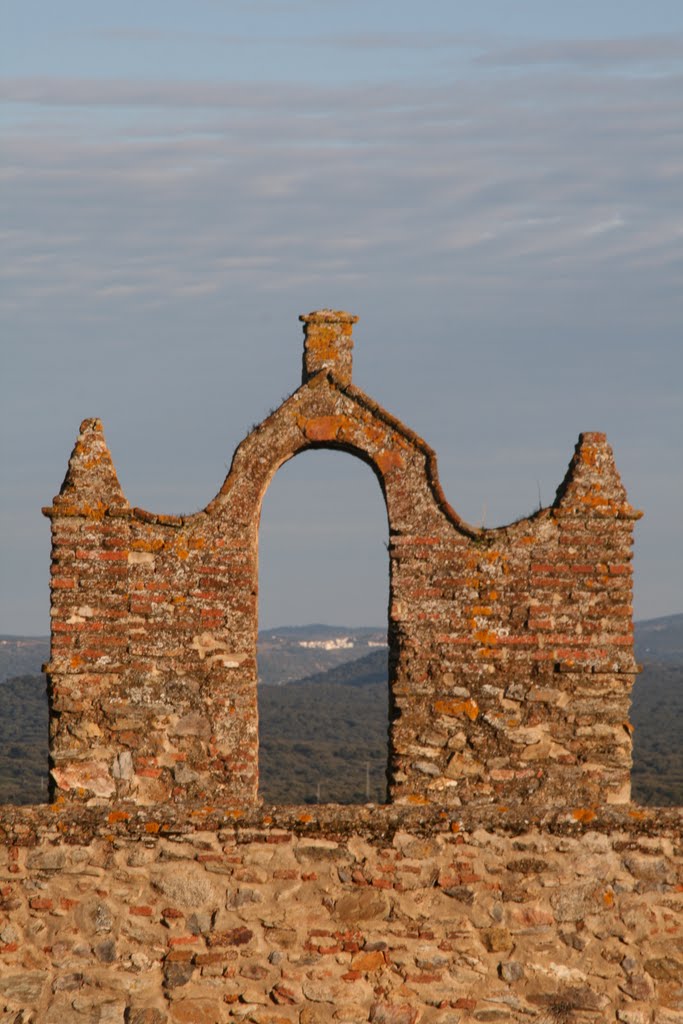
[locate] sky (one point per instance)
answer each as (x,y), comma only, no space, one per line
(495,189)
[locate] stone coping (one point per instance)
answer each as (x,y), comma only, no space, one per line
(25,826)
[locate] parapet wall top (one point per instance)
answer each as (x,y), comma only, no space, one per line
(328,343)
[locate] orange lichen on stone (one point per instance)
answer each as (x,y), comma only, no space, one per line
(486,636)
(388,461)
(115,816)
(583,814)
(147,544)
(452,708)
(322,428)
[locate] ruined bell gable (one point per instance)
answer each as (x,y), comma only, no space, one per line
(511,649)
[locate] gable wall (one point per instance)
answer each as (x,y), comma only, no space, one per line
(511,650)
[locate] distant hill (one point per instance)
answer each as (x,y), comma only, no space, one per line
(324,735)
(660,639)
(296,652)
(22,655)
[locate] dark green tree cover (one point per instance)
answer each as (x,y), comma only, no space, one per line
(325,739)
(23,740)
(657,715)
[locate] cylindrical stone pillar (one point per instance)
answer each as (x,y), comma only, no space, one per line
(328,344)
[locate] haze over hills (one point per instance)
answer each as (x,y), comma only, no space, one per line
(323,707)
(661,639)
(294,652)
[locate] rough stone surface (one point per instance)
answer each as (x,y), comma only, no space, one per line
(508,879)
(388,944)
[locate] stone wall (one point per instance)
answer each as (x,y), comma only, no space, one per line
(511,650)
(388,915)
(508,879)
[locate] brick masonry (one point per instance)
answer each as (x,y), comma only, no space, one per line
(508,878)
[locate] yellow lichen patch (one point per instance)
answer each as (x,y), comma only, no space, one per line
(152,827)
(417,799)
(147,545)
(95,511)
(457,707)
(608,898)
(179,546)
(584,814)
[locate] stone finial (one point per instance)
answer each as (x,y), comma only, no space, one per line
(91,485)
(592,483)
(328,344)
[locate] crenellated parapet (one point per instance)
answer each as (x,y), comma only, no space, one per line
(511,649)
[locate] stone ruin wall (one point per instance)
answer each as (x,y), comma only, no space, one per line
(509,878)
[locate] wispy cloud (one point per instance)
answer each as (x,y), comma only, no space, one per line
(590,53)
(394,40)
(195,184)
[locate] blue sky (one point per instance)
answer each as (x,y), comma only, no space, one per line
(495,189)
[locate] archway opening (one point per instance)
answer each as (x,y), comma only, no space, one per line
(323,599)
